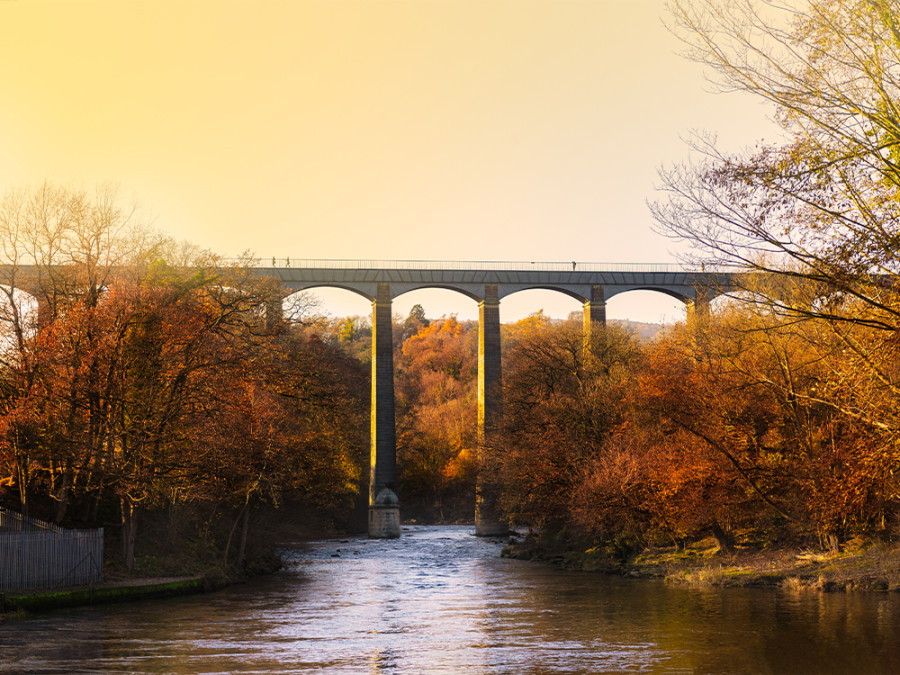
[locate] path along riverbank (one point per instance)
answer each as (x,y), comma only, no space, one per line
(869,566)
(18,602)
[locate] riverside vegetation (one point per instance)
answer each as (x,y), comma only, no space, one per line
(147,389)
(770,424)
(725,444)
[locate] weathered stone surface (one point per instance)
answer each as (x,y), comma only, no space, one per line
(384,522)
(383,460)
(487,514)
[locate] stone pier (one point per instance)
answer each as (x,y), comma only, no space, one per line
(384,507)
(594,312)
(487,514)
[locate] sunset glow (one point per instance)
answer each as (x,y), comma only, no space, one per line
(470,130)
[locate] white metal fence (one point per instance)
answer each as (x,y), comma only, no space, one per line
(35,554)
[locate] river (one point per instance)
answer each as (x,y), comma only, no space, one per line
(439,600)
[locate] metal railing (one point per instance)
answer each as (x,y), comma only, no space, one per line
(35,554)
(458,265)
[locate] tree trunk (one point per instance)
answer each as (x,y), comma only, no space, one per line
(723,538)
(129,532)
(830,542)
(231,533)
(23,487)
(245,527)
(62,495)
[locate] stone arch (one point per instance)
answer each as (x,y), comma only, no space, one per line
(517,301)
(438,301)
(470,291)
(579,294)
(671,292)
(366,293)
(293,309)
(650,304)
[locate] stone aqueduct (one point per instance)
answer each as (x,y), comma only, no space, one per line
(592,284)
(487,283)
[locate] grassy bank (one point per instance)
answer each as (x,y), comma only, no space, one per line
(119,587)
(136,589)
(169,562)
(869,566)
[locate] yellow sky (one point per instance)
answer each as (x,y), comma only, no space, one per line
(391,129)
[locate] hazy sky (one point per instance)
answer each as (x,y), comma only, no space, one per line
(374,129)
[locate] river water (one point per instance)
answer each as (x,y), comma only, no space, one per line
(439,600)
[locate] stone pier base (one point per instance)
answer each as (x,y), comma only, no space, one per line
(490,529)
(384,523)
(384,516)
(488,522)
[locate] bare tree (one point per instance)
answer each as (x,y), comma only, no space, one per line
(824,204)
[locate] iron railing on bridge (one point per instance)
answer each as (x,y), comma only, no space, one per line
(35,554)
(482,265)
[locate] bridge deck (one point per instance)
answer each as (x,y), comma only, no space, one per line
(577,279)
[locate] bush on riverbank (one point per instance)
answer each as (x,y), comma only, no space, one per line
(700,458)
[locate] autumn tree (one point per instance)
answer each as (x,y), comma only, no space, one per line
(352,333)
(436,372)
(823,204)
(734,429)
(562,401)
(284,424)
(813,219)
(155,377)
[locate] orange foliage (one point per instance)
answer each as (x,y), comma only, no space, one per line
(436,420)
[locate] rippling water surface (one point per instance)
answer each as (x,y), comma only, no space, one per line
(440,600)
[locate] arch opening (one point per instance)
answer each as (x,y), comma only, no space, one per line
(553,303)
(437,303)
(327,302)
(22,308)
(646,306)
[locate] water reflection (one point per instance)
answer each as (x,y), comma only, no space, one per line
(439,600)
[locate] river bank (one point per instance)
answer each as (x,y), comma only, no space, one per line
(866,566)
(120,587)
(191,567)
(20,602)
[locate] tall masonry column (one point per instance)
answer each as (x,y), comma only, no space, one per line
(594,312)
(384,506)
(487,512)
(698,307)
(274,314)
